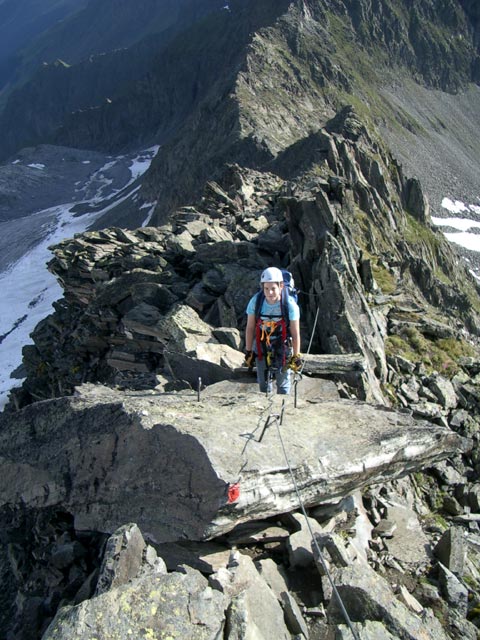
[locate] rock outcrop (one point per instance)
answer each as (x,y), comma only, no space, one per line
(275,72)
(184,468)
(147,487)
(230,592)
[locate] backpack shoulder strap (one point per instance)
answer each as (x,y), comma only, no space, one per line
(258,303)
(284,307)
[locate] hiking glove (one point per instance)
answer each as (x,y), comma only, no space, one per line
(295,363)
(249,359)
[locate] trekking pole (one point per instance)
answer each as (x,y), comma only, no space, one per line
(199,388)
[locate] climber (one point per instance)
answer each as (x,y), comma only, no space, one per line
(272,335)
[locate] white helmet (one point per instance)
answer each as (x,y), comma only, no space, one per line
(272,274)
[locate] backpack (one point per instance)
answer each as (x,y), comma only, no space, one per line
(289,284)
(273,344)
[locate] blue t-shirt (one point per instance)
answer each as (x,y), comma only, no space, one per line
(274,310)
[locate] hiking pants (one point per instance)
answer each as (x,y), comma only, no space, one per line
(283,379)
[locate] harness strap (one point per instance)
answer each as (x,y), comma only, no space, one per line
(267,327)
(264,331)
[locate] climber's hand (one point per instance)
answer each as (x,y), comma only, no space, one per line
(249,359)
(295,362)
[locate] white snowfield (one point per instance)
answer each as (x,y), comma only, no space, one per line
(28,289)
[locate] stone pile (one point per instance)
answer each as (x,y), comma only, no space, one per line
(274,578)
(454,403)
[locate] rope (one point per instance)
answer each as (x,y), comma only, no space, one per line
(311,336)
(298,374)
(314,541)
(278,420)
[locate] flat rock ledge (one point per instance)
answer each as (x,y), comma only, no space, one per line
(190,467)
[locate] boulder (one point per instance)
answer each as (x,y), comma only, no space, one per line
(126,554)
(454,592)
(188,469)
(177,604)
(444,391)
(333,544)
(293,616)
(211,363)
(274,575)
(451,550)
(408,543)
(229,336)
(122,559)
(367,596)
(254,611)
(182,329)
(408,600)
(300,553)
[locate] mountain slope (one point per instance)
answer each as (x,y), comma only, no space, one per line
(276,69)
(301,69)
(246,82)
(58,89)
(87,59)
(105,25)
(21,21)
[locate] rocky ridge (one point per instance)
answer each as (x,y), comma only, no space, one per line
(130,296)
(156,315)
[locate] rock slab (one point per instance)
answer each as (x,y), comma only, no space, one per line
(184,468)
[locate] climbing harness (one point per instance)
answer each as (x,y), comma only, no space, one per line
(267,329)
(271,339)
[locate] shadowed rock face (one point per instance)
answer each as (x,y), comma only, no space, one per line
(168,462)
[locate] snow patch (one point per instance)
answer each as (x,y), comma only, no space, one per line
(462,224)
(462,237)
(151,206)
(27,285)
